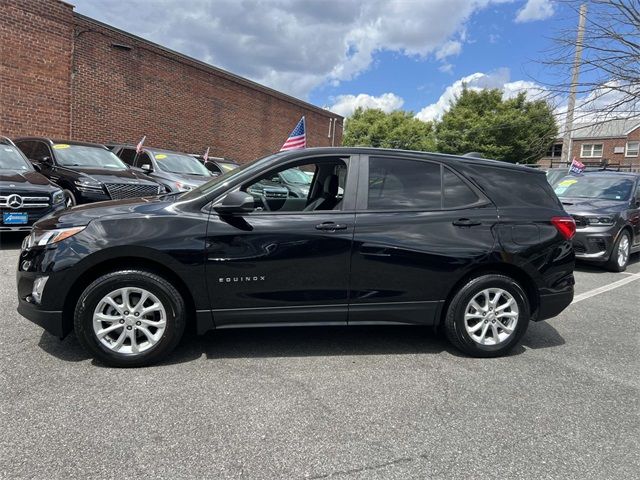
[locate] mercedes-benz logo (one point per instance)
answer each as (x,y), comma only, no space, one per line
(14,201)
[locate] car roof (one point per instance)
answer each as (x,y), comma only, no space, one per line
(444,157)
(53,141)
(151,149)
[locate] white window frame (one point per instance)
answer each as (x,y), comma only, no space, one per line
(592,149)
(637,149)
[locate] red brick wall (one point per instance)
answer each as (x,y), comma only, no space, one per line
(117,96)
(120,95)
(608,147)
(35,65)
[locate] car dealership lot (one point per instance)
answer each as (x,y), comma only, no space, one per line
(378,402)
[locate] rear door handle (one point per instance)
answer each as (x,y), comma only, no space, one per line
(466,222)
(331,226)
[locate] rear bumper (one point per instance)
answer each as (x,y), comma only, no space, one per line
(51,321)
(552,304)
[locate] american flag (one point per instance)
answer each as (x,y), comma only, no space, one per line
(297,138)
(576,166)
(140,143)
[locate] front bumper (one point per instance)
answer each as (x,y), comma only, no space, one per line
(33,215)
(594,244)
(51,321)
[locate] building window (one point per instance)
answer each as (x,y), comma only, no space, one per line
(591,150)
(632,149)
(555,151)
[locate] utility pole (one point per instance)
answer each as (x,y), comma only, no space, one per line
(571,104)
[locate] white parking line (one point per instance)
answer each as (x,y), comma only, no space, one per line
(612,286)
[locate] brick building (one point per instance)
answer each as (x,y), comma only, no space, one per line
(65,75)
(613,142)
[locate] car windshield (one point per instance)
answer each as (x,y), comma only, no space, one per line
(226,177)
(297,176)
(87,156)
(595,186)
(178,163)
(12,159)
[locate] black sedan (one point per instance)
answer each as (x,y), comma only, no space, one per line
(87,172)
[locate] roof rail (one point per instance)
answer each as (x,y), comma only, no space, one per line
(473,155)
(6,141)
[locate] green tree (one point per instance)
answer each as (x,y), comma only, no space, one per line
(512,130)
(398,129)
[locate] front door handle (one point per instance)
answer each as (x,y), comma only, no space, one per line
(331,226)
(466,222)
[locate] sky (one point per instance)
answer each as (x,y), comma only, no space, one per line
(341,54)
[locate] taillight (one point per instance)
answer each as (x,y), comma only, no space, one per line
(565,225)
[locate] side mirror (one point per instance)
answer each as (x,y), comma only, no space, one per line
(146,167)
(235,202)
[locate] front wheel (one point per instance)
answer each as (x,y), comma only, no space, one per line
(69,198)
(129,318)
(487,316)
(620,253)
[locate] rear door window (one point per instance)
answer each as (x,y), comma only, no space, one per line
(401,184)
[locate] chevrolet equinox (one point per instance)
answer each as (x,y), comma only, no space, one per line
(476,247)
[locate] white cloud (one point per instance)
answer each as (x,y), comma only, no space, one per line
(345,105)
(446,68)
(478,81)
(451,48)
(535,10)
(294,45)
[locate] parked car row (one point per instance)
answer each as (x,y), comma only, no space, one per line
(40,175)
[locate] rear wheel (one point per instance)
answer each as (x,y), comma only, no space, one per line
(620,253)
(488,316)
(129,318)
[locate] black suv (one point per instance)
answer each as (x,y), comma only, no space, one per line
(416,238)
(87,172)
(178,172)
(606,208)
(25,195)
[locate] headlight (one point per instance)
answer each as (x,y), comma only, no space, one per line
(58,197)
(88,185)
(600,221)
(49,237)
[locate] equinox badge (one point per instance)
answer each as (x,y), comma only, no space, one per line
(259,278)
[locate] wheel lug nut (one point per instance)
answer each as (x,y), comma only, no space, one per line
(137,314)
(122,320)
(128,327)
(138,323)
(126,312)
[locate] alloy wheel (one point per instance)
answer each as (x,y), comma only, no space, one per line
(491,316)
(129,320)
(623,250)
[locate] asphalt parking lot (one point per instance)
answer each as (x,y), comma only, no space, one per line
(359,403)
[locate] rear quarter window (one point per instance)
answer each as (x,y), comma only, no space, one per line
(513,188)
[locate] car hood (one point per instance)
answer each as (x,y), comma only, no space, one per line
(83,214)
(587,206)
(12,180)
(106,175)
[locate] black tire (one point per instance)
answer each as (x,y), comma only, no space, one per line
(612,264)
(166,293)
(454,324)
(69,198)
